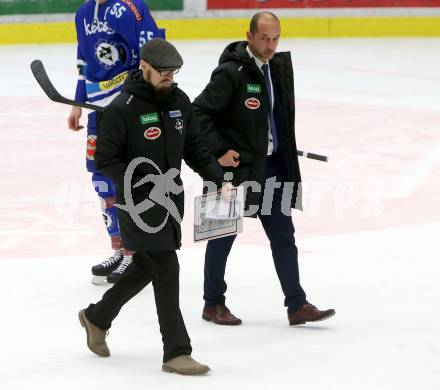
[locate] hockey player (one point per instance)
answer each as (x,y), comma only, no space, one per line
(109,34)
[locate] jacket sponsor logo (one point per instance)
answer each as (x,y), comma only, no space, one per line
(152,133)
(252,103)
(93,28)
(175,114)
(179,125)
(91,147)
(149,118)
(254,88)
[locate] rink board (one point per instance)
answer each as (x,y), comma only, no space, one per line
(317,27)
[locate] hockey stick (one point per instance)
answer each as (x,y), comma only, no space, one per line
(313,156)
(41,76)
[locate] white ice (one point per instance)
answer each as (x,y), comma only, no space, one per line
(368,238)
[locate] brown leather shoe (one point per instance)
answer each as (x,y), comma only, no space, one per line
(220,314)
(95,336)
(309,313)
(185,365)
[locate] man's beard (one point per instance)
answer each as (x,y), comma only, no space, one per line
(163,93)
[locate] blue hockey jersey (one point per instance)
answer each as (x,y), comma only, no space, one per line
(109,39)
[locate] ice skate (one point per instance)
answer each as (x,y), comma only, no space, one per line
(102,270)
(114,276)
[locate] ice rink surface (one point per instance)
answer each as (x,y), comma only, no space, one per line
(368,238)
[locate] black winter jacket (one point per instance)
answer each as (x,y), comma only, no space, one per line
(140,124)
(233,114)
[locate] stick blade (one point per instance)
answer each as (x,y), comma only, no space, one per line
(46,85)
(40,75)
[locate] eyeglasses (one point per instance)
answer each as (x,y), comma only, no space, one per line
(166,72)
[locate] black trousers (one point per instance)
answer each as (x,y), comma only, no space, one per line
(280,231)
(161,268)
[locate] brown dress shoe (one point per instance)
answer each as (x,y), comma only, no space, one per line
(309,313)
(95,336)
(185,365)
(220,314)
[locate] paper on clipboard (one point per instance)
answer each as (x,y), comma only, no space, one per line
(221,209)
(214,217)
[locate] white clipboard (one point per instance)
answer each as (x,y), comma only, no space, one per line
(214,217)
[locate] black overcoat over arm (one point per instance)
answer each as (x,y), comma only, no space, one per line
(198,157)
(210,105)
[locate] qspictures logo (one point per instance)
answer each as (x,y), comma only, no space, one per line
(163,185)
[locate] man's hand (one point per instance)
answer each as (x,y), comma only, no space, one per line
(230,159)
(73,120)
(226,191)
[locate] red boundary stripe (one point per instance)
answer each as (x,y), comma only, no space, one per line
(240,4)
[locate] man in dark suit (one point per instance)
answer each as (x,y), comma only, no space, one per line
(247,114)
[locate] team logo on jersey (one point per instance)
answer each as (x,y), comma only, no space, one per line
(107,54)
(152,133)
(91,147)
(108,220)
(179,125)
(175,114)
(252,103)
(149,118)
(254,88)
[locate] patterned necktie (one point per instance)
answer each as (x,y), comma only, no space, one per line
(273,128)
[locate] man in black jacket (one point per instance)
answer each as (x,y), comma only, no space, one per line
(247,113)
(143,136)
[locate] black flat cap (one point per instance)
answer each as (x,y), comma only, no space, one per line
(161,54)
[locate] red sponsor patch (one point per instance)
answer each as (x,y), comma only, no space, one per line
(252,103)
(152,133)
